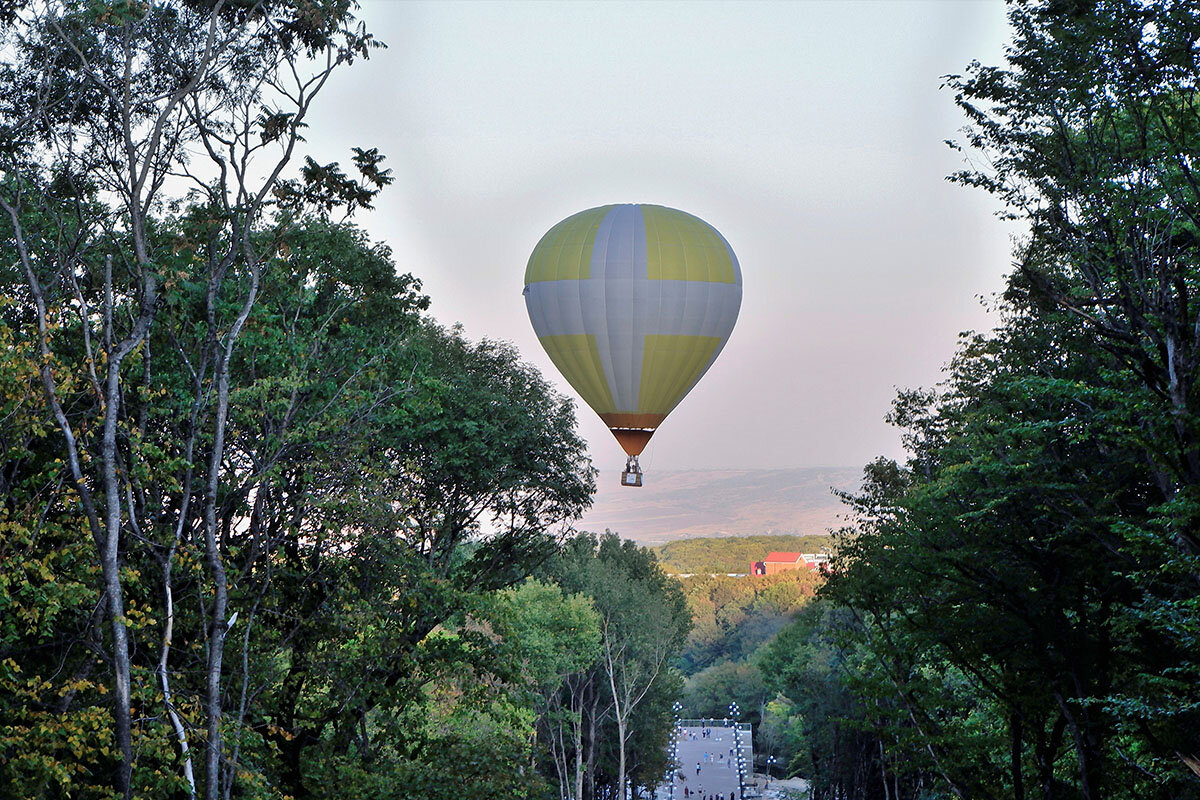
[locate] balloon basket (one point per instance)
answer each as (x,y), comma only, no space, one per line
(632,476)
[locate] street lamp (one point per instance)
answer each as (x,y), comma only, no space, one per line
(735,712)
(676,732)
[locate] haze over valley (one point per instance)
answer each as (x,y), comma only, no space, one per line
(738,502)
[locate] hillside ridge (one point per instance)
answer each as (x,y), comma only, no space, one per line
(731,554)
(685,504)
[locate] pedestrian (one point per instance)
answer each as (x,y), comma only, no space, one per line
(697,767)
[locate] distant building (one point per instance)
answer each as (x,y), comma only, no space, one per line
(775,563)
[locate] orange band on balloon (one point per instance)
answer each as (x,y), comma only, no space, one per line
(633,431)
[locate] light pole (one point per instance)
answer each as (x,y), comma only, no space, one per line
(676,730)
(734,713)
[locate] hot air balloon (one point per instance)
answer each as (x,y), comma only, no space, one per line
(633,303)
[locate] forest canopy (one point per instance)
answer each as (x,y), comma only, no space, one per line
(266,526)
(1012,612)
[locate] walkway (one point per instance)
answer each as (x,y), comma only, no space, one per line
(707,765)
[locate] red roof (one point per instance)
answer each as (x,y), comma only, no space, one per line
(786,558)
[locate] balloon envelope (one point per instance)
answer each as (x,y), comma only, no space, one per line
(633,303)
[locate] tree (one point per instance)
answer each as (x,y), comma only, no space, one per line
(710,690)
(995,557)
(286,480)
(643,623)
(48,598)
(993,577)
(347,412)
(558,639)
(1089,134)
(432,472)
(811,663)
(139,104)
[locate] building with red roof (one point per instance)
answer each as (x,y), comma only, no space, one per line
(777,562)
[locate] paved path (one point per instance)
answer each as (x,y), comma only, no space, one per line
(707,766)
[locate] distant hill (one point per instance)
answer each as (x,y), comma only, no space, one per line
(688,504)
(731,553)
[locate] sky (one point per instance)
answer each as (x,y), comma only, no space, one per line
(811,134)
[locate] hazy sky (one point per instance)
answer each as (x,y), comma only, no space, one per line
(809,133)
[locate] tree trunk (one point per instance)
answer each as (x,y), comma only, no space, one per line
(577,722)
(590,769)
(621,755)
(887,794)
(1085,751)
(1015,732)
(165,680)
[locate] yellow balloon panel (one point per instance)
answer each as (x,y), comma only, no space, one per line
(671,366)
(576,355)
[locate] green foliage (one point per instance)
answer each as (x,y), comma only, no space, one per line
(255,507)
(1012,612)
(383,476)
(47,594)
(555,634)
(733,616)
(709,692)
(616,713)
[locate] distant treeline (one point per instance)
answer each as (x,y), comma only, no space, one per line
(726,554)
